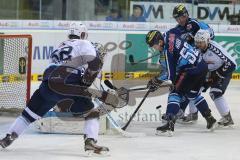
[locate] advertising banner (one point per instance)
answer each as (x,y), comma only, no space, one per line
(209,13)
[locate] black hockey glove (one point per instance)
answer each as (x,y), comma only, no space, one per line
(208,82)
(216,77)
(154,84)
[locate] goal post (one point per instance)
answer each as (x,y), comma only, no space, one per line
(15,71)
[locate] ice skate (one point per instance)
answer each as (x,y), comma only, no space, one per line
(211,122)
(5,142)
(179,116)
(226,121)
(190,118)
(91,148)
(167,128)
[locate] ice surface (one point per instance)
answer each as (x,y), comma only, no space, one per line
(190,142)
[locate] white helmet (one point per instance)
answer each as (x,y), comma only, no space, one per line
(78,29)
(202,36)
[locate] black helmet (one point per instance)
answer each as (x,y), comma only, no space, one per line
(153,37)
(179,10)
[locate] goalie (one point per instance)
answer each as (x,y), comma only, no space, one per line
(74,66)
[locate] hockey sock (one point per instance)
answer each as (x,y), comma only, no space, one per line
(91,128)
(172,109)
(202,105)
(222,106)
(192,107)
(19,126)
(183,104)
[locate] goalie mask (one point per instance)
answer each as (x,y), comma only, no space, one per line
(78,30)
(100,50)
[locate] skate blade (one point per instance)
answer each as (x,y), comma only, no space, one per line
(91,153)
(186,122)
(167,133)
(219,126)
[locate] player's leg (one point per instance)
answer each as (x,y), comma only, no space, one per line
(199,101)
(182,86)
(216,93)
(192,116)
(203,108)
(35,109)
(91,125)
(174,100)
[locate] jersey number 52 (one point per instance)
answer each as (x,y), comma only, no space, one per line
(62,54)
(188,54)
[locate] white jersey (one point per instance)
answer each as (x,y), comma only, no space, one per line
(74,49)
(217,57)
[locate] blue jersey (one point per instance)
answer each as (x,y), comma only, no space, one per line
(179,56)
(191,28)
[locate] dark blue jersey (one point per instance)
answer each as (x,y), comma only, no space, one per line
(191,28)
(179,56)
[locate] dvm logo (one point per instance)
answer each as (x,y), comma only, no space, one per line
(213,12)
(155,11)
(234,49)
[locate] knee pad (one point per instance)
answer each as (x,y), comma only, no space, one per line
(215,93)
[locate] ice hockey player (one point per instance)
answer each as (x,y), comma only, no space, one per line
(73,68)
(221,66)
(186,69)
(188,28)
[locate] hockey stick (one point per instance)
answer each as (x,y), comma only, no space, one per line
(138,107)
(131,59)
(115,124)
(111,86)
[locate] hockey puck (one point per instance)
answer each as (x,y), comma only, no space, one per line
(158,106)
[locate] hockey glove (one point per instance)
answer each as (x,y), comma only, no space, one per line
(109,99)
(216,77)
(154,84)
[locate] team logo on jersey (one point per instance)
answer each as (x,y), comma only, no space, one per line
(189,27)
(171,42)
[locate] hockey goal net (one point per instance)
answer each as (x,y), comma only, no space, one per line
(15,71)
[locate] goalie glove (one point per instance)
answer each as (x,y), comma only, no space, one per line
(109,98)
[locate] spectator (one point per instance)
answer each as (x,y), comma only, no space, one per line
(114,15)
(137,15)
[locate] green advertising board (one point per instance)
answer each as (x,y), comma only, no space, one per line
(232,45)
(139,50)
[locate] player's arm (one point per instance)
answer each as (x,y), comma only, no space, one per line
(227,67)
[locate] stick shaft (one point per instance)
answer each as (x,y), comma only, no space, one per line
(140,104)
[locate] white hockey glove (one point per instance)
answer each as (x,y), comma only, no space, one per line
(109,98)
